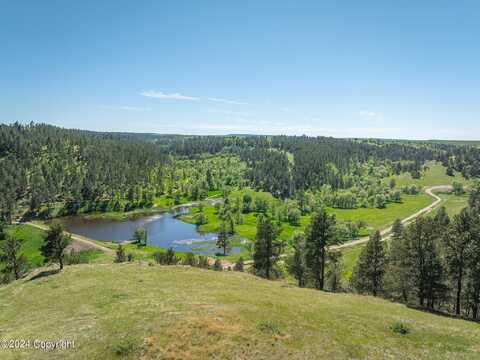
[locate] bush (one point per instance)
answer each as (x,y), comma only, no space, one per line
(77,257)
(129,257)
(166,258)
(217,266)
(239,265)
(200,219)
(120,254)
(400,328)
(190,260)
(268,326)
(202,262)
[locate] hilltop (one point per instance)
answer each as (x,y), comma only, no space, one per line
(136,311)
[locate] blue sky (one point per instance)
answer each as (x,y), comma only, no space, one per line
(395,69)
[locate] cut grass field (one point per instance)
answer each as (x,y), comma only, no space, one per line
(134,311)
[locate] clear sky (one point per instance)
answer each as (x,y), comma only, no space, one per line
(386,68)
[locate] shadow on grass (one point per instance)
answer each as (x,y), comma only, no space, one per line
(43,274)
(442,313)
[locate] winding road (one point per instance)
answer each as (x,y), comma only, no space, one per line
(80,242)
(386,232)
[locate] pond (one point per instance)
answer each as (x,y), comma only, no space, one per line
(163,230)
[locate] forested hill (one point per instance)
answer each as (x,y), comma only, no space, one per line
(43,164)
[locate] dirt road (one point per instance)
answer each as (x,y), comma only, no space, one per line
(386,232)
(79,242)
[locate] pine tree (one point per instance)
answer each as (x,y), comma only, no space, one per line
(334,270)
(223,238)
(296,262)
(120,254)
(370,268)
(424,264)
(457,240)
(265,252)
(55,244)
(441,218)
(14,262)
(319,234)
(397,229)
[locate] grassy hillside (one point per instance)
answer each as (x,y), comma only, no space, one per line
(434,175)
(134,311)
(32,239)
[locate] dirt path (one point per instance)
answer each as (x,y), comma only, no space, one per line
(386,232)
(79,242)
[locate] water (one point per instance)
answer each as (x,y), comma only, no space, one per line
(163,230)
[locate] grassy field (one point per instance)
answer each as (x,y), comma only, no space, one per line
(134,311)
(435,175)
(32,239)
(453,203)
(375,218)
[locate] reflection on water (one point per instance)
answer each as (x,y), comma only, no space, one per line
(163,230)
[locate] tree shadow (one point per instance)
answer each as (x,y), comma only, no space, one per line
(43,274)
(442,313)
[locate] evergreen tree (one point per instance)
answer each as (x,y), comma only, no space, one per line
(296,262)
(424,265)
(223,238)
(120,256)
(456,244)
(441,218)
(319,234)
(370,268)
(334,270)
(2,231)
(397,229)
(474,198)
(55,244)
(265,252)
(396,275)
(14,263)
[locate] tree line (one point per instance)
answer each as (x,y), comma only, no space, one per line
(434,263)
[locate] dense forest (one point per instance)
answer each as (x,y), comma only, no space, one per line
(42,166)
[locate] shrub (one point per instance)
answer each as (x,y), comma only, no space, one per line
(217,266)
(77,257)
(200,219)
(268,326)
(400,328)
(203,262)
(166,258)
(190,260)
(238,265)
(129,257)
(120,254)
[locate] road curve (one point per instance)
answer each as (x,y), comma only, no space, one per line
(386,232)
(77,238)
